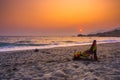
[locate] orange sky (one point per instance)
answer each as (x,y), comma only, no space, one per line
(58,17)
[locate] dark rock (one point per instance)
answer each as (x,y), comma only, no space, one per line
(80,35)
(14,69)
(36,50)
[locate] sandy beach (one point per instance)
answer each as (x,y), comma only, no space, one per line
(57,64)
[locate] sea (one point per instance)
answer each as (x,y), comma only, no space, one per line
(14,43)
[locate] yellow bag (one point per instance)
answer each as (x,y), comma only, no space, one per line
(81,54)
(77,54)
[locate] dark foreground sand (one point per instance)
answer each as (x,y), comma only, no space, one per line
(57,64)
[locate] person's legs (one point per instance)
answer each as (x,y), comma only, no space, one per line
(95,56)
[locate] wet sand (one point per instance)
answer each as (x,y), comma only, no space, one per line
(57,64)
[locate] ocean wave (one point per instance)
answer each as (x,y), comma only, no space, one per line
(31,44)
(108,41)
(6,44)
(24,43)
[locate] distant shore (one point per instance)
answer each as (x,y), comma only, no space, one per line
(57,64)
(112,33)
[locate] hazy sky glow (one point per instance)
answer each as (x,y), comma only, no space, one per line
(57,17)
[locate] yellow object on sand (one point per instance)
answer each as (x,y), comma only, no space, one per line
(81,54)
(77,54)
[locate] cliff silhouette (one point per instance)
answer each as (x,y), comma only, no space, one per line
(112,33)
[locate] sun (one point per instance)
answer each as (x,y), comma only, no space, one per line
(80,30)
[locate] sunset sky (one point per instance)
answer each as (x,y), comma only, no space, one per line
(58,17)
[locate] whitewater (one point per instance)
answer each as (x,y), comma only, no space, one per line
(27,43)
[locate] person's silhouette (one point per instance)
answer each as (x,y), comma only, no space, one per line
(86,54)
(93,50)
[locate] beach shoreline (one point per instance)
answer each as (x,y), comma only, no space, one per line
(57,64)
(49,47)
